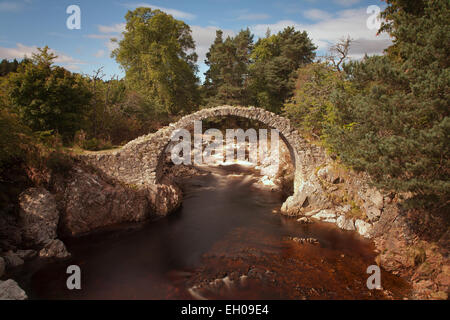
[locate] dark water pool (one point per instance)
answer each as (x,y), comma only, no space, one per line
(226,242)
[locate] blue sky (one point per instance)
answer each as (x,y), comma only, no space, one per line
(28,24)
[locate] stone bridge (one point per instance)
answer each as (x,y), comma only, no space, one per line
(139,163)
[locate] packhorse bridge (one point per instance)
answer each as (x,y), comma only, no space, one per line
(139,163)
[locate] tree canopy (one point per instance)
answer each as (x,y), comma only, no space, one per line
(389,115)
(226,81)
(48,97)
(276,59)
(157,54)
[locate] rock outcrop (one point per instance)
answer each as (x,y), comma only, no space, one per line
(39,216)
(90,202)
(10,290)
(54,249)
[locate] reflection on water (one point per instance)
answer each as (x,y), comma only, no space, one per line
(225,242)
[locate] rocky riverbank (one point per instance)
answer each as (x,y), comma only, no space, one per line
(410,243)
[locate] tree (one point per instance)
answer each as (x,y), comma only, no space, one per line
(276,59)
(48,97)
(226,81)
(395,124)
(339,52)
(157,54)
(311,108)
(7,67)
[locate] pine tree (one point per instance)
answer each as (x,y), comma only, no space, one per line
(395,123)
(226,81)
(48,97)
(276,60)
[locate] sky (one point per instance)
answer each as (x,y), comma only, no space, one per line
(26,25)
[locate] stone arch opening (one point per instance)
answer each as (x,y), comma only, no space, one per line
(281,174)
(269,119)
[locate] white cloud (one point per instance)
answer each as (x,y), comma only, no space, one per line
(73,67)
(107,33)
(204,37)
(9,6)
(346,3)
(316,14)
(175,13)
(253,16)
(116,28)
(351,22)
(100,53)
(20,51)
(99,36)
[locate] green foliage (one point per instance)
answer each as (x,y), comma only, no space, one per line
(226,81)
(14,138)
(155,53)
(241,73)
(48,97)
(275,61)
(7,67)
(390,114)
(311,108)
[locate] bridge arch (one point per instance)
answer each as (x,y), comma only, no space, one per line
(139,163)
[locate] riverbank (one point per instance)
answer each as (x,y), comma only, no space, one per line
(400,253)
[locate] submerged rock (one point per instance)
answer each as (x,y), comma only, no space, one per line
(305,240)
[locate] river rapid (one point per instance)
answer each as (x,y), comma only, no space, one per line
(227,241)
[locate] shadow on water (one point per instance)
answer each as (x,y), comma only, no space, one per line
(226,227)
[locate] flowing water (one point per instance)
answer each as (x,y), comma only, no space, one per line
(226,242)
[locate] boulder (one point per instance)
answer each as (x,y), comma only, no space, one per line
(54,249)
(363,228)
(372,213)
(304,220)
(376,198)
(309,195)
(328,174)
(10,290)
(91,202)
(373,204)
(166,199)
(13,260)
(291,206)
(345,223)
(325,215)
(38,215)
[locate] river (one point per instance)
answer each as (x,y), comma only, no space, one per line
(227,241)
